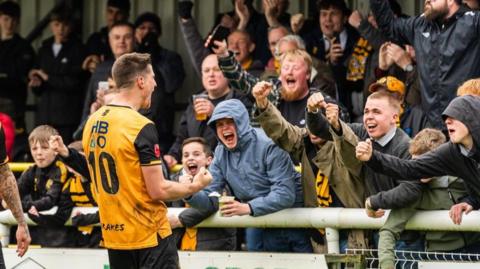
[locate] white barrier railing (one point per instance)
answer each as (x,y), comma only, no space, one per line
(330,218)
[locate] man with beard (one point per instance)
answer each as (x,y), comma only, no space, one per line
(289,92)
(445,38)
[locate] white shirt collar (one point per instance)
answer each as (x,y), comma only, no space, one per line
(387,137)
(343,40)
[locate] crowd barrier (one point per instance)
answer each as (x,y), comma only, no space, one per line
(332,219)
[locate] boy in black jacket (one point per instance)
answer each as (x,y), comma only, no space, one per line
(40,187)
(458,157)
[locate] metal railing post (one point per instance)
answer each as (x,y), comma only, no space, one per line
(4,234)
(333,240)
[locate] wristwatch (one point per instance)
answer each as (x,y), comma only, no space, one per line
(408,68)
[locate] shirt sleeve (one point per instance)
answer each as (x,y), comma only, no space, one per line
(3,149)
(147,146)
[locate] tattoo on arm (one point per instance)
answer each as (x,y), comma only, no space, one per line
(9,192)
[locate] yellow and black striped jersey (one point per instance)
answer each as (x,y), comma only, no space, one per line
(3,147)
(117,141)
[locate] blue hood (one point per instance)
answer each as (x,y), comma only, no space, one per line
(233,109)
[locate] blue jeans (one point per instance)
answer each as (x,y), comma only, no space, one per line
(278,240)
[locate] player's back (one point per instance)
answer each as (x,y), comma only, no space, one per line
(117,141)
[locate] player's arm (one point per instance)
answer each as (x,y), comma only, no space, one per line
(9,193)
(157,186)
(160,189)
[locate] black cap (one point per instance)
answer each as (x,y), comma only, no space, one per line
(10,8)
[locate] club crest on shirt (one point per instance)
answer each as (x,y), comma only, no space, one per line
(156,149)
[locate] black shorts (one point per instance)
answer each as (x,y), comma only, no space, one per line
(162,256)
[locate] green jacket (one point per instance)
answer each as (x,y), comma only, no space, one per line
(348,187)
(443,192)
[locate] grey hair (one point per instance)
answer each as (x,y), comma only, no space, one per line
(290,38)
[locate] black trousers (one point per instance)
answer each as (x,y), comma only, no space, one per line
(162,256)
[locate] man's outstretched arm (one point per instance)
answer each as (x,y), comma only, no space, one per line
(9,193)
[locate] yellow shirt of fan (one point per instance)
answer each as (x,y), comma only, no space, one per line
(117,141)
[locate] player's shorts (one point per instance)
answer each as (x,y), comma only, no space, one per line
(162,256)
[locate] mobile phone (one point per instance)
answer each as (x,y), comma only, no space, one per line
(219,33)
(336,39)
(103,85)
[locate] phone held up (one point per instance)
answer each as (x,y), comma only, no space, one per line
(219,33)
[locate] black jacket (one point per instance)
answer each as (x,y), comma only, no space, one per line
(42,187)
(16,59)
(60,97)
(446,159)
(375,182)
(448,53)
(190,127)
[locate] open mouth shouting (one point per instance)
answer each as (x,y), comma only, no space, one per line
(291,82)
(228,137)
(192,168)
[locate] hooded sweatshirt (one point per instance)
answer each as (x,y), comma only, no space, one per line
(257,171)
(448,159)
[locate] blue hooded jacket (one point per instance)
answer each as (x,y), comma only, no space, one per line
(257,171)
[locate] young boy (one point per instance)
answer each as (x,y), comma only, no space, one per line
(58,79)
(196,153)
(443,193)
(458,157)
(40,186)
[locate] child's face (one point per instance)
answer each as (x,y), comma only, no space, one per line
(42,154)
(60,30)
(194,157)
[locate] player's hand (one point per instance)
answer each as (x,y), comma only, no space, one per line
(202,178)
(316,101)
(23,239)
(331,112)
(56,144)
(456,212)
(260,92)
(234,208)
(170,160)
(364,150)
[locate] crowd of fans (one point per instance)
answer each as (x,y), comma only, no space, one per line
(278,90)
